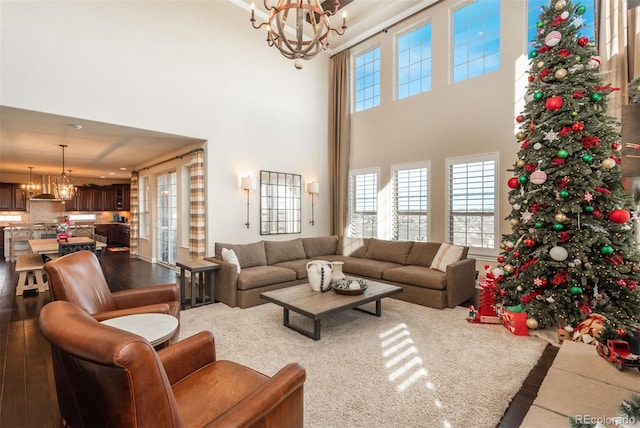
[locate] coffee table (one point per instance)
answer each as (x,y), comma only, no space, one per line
(155,327)
(316,305)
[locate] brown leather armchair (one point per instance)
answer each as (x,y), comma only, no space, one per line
(78,278)
(110,377)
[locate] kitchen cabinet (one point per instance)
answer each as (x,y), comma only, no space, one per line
(12,198)
(116,233)
(101,198)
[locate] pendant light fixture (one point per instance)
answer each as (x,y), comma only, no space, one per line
(63,188)
(30,189)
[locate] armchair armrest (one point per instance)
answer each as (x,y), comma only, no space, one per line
(159,308)
(190,354)
(461,281)
(146,295)
(226,282)
(284,389)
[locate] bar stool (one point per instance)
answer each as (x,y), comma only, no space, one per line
(19,235)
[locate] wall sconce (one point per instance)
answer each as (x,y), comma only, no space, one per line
(313,188)
(248,184)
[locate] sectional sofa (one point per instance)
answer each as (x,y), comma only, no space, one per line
(430,273)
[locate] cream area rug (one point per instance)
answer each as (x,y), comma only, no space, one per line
(412,367)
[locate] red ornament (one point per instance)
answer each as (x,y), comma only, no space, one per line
(529,242)
(500,259)
(619,215)
(577,127)
(520,118)
(554,103)
(516,254)
(583,41)
(616,146)
(513,183)
(577,94)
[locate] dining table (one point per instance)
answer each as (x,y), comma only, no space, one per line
(50,245)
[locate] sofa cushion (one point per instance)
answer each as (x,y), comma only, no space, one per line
(298,266)
(447,254)
(229,256)
(282,251)
(366,267)
(389,251)
(320,246)
(422,253)
(419,276)
(352,247)
(259,276)
(249,255)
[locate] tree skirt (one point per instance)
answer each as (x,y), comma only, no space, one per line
(412,367)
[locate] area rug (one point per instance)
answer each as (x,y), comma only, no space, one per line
(412,367)
(117,249)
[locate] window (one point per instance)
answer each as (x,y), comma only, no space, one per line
(414,62)
(476,39)
(410,202)
(80,217)
(534,9)
(363,204)
(472,202)
(367,80)
(144,207)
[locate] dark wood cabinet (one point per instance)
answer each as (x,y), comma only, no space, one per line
(12,198)
(116,233)
(101,198)
(122,197)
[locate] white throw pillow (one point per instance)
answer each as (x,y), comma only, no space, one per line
(446,254)
(229,256)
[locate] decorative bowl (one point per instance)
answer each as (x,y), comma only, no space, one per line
(342,287)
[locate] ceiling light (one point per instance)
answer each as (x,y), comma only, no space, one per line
(29,189)
(63,188)
(301,15)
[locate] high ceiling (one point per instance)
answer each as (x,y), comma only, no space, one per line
(95,149)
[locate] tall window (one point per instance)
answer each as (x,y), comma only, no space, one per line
(363,204)
(472,202)
(476,39)
(534,9)
(367,80)
(414,62)
(144,207)
(410,202)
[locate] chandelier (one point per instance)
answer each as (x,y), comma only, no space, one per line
(63,188)
(301,15)
(30,189)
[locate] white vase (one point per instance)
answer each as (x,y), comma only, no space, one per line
(337,273)
(319,274)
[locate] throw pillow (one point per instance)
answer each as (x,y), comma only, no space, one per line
(229,256)
(446,255)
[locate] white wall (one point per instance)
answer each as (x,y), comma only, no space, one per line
(472,117)
(192,68)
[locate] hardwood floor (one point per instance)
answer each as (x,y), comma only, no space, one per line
(27,387)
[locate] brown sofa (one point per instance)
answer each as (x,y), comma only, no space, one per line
(270,265)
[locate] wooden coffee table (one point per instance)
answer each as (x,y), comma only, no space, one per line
(316,305)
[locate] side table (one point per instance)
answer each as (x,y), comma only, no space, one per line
(197,268)
(156,328)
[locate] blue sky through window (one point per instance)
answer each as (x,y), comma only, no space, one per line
(476,39)
(414,61)
(367,79)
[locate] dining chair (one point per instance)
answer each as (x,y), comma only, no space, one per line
(65,248)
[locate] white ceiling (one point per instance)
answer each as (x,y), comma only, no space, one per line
(29,138)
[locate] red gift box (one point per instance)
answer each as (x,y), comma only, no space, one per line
(515,322)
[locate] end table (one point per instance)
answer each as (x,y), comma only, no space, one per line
(197,268)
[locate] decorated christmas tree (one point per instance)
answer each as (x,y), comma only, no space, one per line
(572,250)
